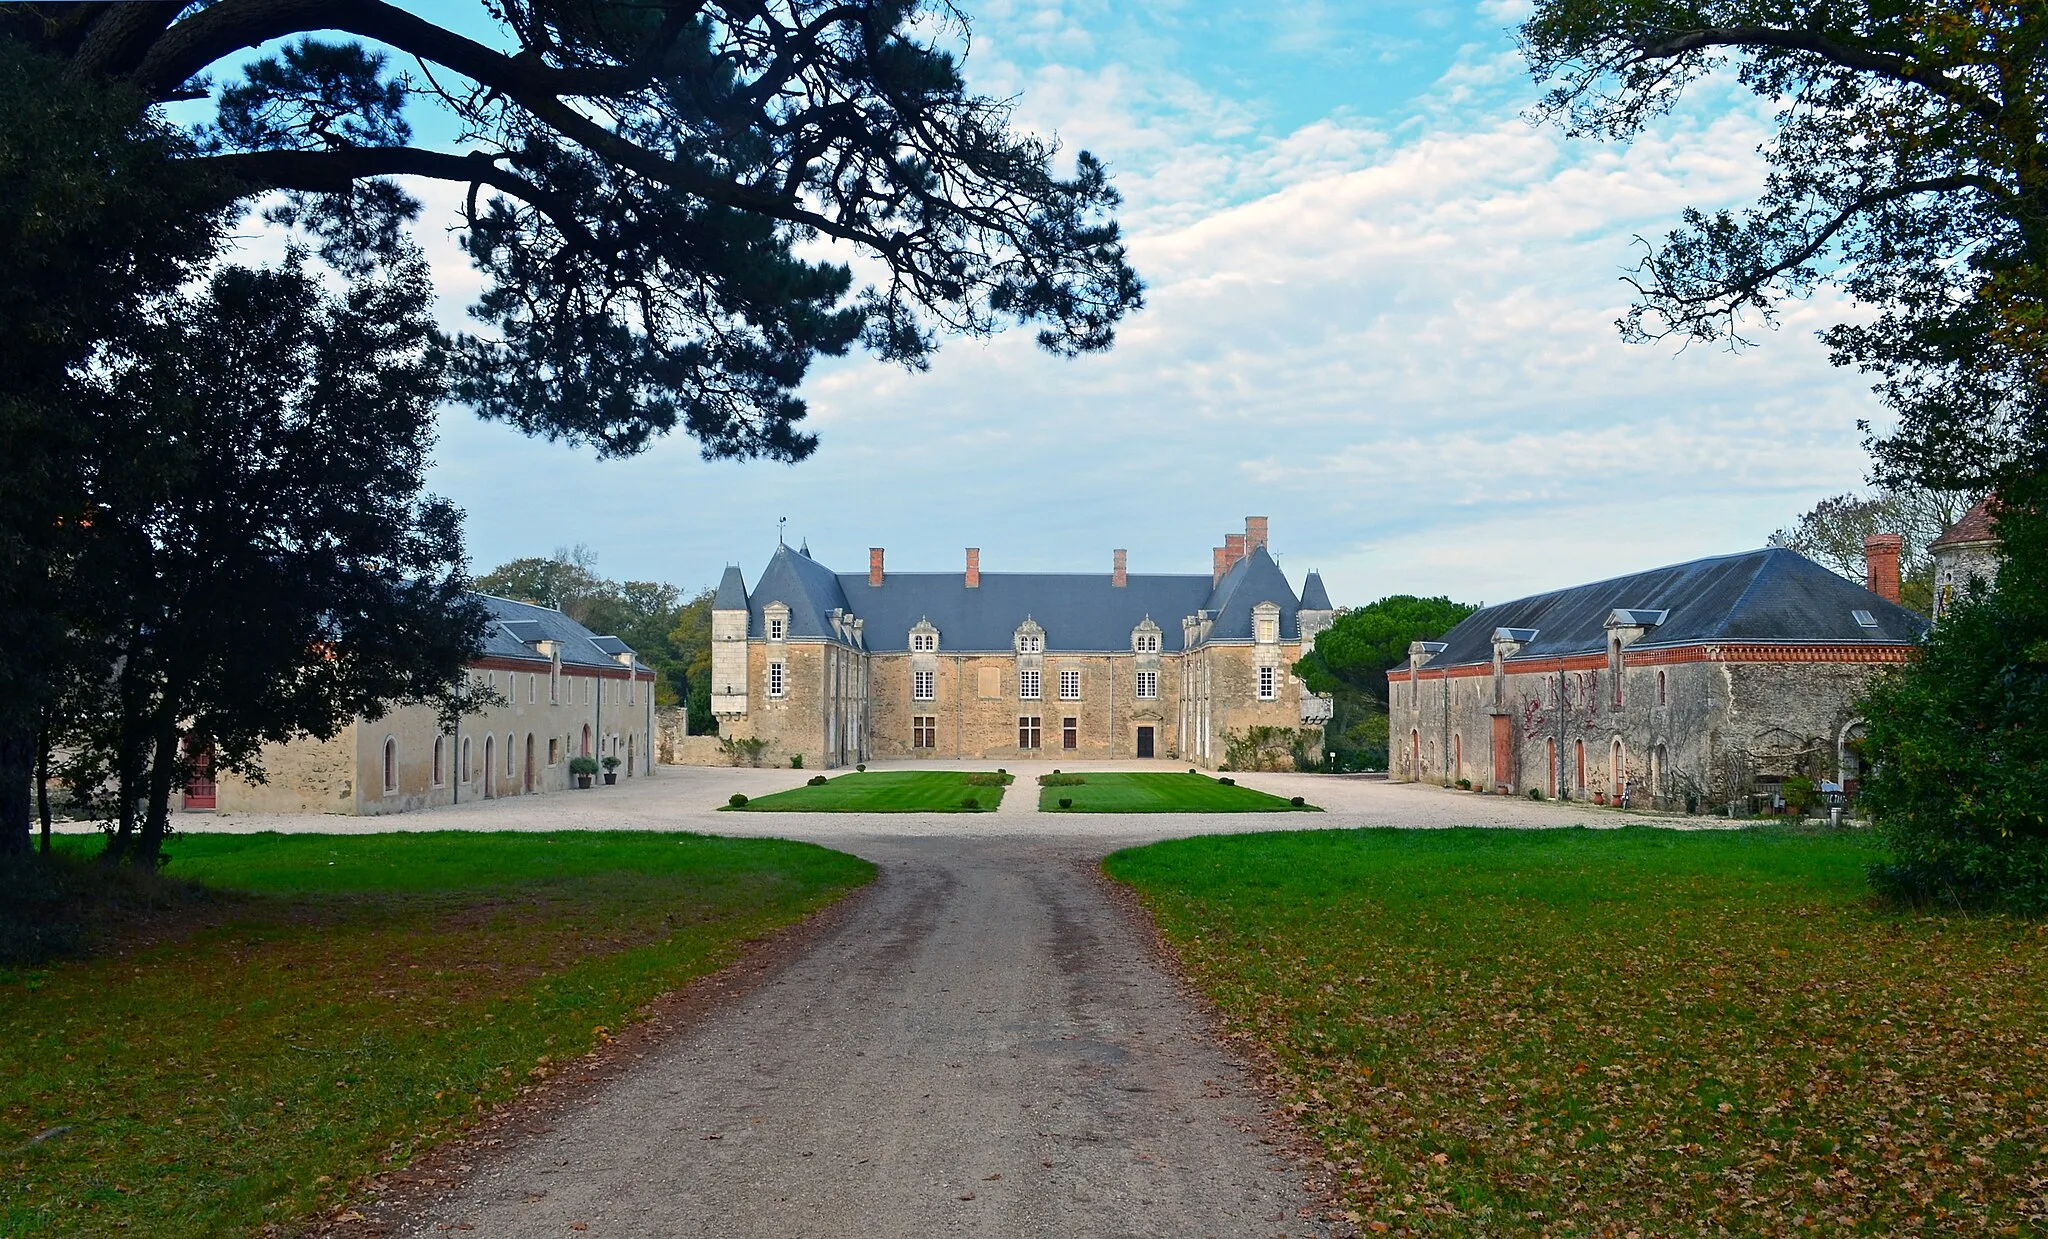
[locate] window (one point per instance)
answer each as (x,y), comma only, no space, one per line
(1070,686)
(554,751)
(1148,685)
(1028,731)
(440,774)
(924,685)
(1268,629)
(924,642)
(532,688)
(1146,643)
(775,628)
(1614,671)
(1027,685)
(1660,688)
(466,767)
(775,679)
(1070,733)
(924,731)
(1269,683)
(1030,643)
(390,765)
(510,765)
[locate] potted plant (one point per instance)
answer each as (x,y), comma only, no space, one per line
(582,768)
(611,770)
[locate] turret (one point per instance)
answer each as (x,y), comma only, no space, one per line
(729,645)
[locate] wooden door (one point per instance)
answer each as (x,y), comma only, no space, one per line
(1144,742)
(1503,752)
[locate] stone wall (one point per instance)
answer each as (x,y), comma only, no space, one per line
(976,706)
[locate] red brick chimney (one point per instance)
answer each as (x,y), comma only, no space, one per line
(1233,549)
(1254,533)
(973,567)
(1219,563)
(1881,564)
(874,565)
(1117,576)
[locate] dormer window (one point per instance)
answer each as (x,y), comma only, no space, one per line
(1030,643)
(775,628)
(775,620)
(924,639)
(1145,638)
(1266,623)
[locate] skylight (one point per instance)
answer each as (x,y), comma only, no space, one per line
(1865,618)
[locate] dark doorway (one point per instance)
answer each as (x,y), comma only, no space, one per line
(1144,742)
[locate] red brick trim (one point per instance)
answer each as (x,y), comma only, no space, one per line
(500,662)
(1723,652)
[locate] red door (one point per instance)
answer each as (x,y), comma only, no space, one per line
(1503,753)
(202,792)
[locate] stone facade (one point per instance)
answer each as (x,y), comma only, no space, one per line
(1967,551)
(563,691)
(1687,687)
(839,668)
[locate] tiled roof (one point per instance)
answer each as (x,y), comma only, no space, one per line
(1078,611)
(1313,596)
(1977,525)
(516,625)
(1769,595)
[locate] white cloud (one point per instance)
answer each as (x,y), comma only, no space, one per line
(1396,341)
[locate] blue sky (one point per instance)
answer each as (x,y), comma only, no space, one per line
(1381,313)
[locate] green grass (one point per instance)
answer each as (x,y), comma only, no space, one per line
(346,1000)
(1595,1032)
(885,791)
(1160,793)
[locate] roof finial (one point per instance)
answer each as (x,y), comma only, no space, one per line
(780,521)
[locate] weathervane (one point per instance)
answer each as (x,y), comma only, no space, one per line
(780,521)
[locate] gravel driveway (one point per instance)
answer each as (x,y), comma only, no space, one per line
(983,1045)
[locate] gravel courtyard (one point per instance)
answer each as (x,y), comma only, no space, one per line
(985,1044)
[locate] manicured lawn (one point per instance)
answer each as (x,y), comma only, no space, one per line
(887,791)
(1606,1032)
(1159,793)
(351,999)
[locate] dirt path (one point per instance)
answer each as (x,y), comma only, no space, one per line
(983,1046)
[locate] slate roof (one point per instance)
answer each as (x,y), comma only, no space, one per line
(519,623)
(1771,595)
(732,591)
(1080,612)
(1313,596)
(1976,525)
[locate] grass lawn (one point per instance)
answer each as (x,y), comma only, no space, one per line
(1160,793)
(1636,1031)
(345,1000)
(888,791)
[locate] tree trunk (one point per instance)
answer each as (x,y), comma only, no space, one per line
(17,776)
(156,821)
(43,782)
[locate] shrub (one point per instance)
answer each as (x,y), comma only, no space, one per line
(1465,783)
(582,765)
(971,802)
(1227,781)
(1066,802)
(738,801)
(984,779)
(1298,801)
(1000,770)
(1958,738)
(742,752)
(816,780)
(1535,793)
(609,763)
(1056,779)
(861,767)
(796,761)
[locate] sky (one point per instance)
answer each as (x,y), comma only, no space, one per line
(1380,311)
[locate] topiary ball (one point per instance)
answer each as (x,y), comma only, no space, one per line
(1227,781)
(1066,802)
(970,803)
(816,780)
(862,767)
(738,801)
(1298,801)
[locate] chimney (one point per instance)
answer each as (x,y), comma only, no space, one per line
(974,567)
(1254,533)
(874,565)
(1881,564)
(1219,563)
(1233,549)
(1117,576)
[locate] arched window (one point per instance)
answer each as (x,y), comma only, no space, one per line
(1579,769)
(1660,772)
(490,766)
(1617,770)
(529,762)
(467,769)
(1458,755)
(1661,699)
(390,764)
(586,739)
(439,774)
(1415,755)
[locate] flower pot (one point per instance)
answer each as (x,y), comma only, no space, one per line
(583,781)
(610,777)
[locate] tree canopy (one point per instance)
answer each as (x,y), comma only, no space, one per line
(643,184)
(1832,533)
(1908,167)
(1356,651)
